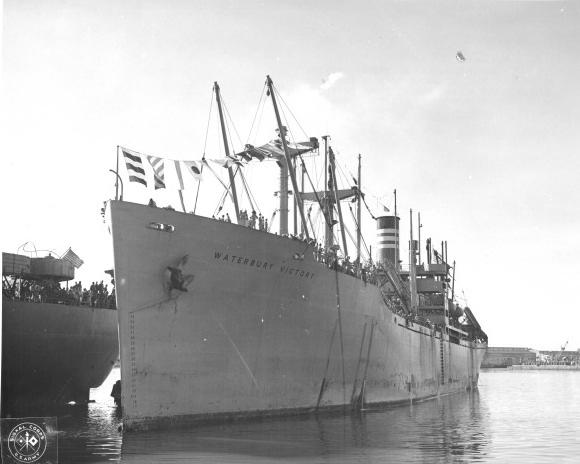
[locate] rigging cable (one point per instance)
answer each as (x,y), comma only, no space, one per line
(249,193)
(297,154)
(260,121)
(204,147)
(233,125)
(311,225)
(366,248)
(294,117)
(347,230)
(227,120)
(256,114)
(319,223)
(314,190)
(238,167)
(359,189)
(220,204)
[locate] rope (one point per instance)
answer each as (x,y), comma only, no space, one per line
(257,109)
(362,238)
(233,125)
(290,111)
(208,121)
(253,204)
(222,201)
(248,192)
(350,173)
(204,147)
(319,222)
(358,187)
(314,190)
(220,204)
(260,122)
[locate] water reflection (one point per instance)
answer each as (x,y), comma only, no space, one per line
(433,431)
(514,417)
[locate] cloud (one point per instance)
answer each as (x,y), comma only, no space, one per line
(332,79)
(433,95)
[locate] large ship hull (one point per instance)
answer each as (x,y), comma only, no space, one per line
(53,354)
(262,329)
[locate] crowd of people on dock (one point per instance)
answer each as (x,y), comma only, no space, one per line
(51,291)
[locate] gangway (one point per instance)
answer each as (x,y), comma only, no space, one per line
(398,285)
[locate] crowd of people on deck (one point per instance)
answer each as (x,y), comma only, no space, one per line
(367,272)
(51,291)
(253,221)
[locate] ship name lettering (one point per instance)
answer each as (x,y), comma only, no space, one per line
(243,260)
(235,259)
(296,272)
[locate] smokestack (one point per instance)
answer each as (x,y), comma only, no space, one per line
(388,240)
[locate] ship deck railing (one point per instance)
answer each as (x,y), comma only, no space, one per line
(68,301)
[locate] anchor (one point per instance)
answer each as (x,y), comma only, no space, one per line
(175,279)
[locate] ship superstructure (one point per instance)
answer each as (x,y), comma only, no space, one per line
(220,319)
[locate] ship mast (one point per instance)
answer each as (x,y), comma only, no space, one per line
(412,268)
(286,167)
(302,172)
(453,284)
(358,225)
(419,246)
(227,150)
(396,233)
(328,238)
(337,200)
(295,215)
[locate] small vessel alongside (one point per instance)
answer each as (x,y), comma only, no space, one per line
(220,320)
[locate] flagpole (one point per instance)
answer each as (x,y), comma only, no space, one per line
(117,178)
(198,185)
(181,198)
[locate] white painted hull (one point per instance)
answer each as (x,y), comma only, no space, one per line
(259,332)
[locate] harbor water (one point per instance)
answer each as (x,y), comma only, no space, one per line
(515,417)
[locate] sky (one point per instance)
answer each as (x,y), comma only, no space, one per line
(484,144)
